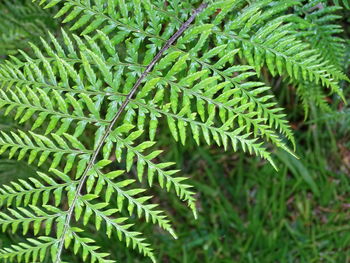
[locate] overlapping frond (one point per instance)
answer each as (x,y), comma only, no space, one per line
(274,44)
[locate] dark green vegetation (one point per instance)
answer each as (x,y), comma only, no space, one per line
(247,211)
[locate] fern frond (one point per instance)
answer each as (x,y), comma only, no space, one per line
(20,22)
(342,116)
(320,30)
(129,195)
(82,75)
(345,3)
(312,95)
(286,56)
(131,238)
(275,44)
(24,217)
(132,67)
(34,190)
(85,244)
(39,147)
(32,251)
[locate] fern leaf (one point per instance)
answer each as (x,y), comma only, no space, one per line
(41,147)
(345,3)
(189,36)
(20,22)
(33,250)
(31,191)
(129,195)
(320,31)
(86,246)
(130,237)
(24,217)
(132,66)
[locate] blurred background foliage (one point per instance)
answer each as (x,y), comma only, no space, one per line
(248,212)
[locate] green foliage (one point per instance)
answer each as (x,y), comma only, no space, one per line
(345,3)
(20,22)
(208,87)
(319,27)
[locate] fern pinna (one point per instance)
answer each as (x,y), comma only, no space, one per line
(93,100)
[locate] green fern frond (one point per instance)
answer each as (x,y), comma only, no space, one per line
(138,203)
(131,238)
(23,217)
(320,30)
(33,191)
(275,44)
(345,3)
(86,246)
(133,66)
(41,147)
(33,250)
(312,95)
(20,22)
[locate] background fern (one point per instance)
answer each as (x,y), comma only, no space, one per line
(211,86)
(21,21)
